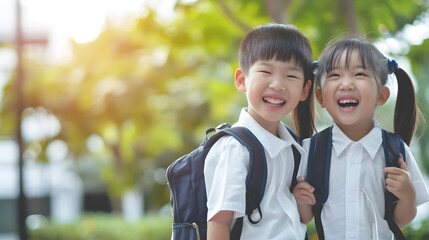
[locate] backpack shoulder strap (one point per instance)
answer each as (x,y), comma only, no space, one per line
(296,158)
(256,178)
(393,145)
(319,163)
(318,170)
(293,134)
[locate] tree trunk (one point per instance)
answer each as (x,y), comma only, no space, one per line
(277,10)
(347,8)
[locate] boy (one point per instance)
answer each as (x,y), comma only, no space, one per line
(275,73)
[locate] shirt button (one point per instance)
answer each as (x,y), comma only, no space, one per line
(352,235)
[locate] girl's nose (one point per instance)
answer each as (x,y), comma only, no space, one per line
(347,84)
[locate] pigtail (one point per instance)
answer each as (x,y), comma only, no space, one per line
(406,109)
(304,113)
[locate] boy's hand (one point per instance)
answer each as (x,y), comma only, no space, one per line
(398,180)
(303,193)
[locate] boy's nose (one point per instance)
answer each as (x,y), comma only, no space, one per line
(277,84)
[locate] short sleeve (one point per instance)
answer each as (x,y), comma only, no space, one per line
(422,194)
(225,174)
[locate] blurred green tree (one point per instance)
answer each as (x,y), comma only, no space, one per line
(148,90)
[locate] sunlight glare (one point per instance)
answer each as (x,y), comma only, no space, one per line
(80,20)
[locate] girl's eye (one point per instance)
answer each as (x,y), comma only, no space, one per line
(333,75)
(265,72)
(361,74)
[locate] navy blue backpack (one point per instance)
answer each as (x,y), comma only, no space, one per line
(185,178)
(318,169)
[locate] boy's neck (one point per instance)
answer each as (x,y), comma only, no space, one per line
(270,126)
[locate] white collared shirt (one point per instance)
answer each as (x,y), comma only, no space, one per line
(355,206)
(225,173)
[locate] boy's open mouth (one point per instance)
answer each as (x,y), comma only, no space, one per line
(274,101)
(348,103)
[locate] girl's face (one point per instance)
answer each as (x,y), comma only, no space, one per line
(350,94)
(273,89)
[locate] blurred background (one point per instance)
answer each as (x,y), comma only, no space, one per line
(98,97)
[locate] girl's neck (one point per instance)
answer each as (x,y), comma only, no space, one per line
(356,132)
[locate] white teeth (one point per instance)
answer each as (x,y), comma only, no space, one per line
(274,101)
(345,101)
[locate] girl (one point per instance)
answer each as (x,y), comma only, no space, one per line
(350,84)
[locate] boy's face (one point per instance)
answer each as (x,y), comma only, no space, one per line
(273,89)
(350,95)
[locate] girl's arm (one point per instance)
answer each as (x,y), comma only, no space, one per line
(399,183)
(218,225)
(303,193)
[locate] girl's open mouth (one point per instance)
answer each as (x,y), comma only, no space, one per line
(348,103)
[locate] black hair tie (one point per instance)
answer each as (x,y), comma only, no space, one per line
(392,66)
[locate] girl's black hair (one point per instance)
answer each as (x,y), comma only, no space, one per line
(283,43)
(406,109)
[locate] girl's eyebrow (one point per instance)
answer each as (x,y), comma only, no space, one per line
(357,67)
(349,67)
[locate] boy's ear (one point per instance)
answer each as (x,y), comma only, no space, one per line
(240,80)
(318,93)
(306,90)
(383,96)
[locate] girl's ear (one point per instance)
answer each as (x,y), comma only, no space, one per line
(383,96)
(240,80)
(306,90)
(318,93)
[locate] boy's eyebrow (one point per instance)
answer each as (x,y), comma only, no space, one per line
(265,63)
(295,67)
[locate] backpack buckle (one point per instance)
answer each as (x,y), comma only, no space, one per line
(223,126)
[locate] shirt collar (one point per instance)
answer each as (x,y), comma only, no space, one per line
(370,142)
(272,144)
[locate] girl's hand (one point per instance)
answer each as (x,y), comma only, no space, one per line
(398,181)
(303,193)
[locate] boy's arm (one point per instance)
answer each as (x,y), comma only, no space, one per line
(399,183)
(303,193)
(218,226)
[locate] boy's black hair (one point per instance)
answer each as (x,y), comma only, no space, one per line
(406,109)
(283,43)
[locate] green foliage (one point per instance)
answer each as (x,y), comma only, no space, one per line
(111,227)
(414,231)
(106,227)
(148,90)
(417,231)
(418,56)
